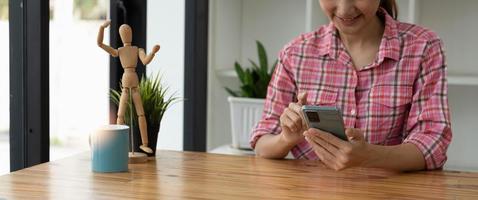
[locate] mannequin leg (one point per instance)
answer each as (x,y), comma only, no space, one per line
(122,106)
(143,126)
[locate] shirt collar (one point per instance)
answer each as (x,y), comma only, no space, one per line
(389,45)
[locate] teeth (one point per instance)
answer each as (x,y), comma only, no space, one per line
(347,19)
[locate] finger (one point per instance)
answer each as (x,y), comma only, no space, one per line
(329,163)
(296,119)
(317,142)
(298,109)
(283,126)
(295,107)
(286,121)
(286,129)
(326,145)
(342,148)
(323,155)
(332,139)
(294,116)
(290,124)
(302,98)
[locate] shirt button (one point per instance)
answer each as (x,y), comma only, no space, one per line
(352,112)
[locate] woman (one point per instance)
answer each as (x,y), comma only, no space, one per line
(388,78)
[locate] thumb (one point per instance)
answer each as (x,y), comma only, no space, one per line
(302,98)
(354,134)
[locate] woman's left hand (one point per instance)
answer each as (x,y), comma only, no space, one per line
(336,153)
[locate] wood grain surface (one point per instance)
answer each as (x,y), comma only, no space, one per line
(188,175)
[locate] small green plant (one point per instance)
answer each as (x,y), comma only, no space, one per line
(155,102)
(254,80)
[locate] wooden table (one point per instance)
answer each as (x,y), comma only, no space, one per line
(187,175)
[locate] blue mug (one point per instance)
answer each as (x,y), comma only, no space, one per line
(110,149)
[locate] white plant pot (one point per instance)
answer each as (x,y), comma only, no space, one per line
(245,113)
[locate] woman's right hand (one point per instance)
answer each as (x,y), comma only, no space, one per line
(292,122)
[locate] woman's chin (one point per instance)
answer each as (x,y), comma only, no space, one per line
(349,26)
(348,30)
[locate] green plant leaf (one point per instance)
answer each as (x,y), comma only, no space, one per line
(254,80)
(261,51)
(248,79)
(231,92)
(254,65)
(248,91)
(239,71)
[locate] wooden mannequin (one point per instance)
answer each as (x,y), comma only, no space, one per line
(129,57)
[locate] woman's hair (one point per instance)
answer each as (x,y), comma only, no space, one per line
(390,6)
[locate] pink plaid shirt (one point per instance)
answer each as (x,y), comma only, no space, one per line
(399,98)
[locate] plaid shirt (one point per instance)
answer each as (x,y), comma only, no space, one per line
(399,98)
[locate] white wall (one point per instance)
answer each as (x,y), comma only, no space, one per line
(4,77)
(234,27)
(273,25)
(456,23)
(314,15)
(4,98)
(224,46)
(166,27)
(463,148)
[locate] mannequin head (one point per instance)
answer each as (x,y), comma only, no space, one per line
(126,33)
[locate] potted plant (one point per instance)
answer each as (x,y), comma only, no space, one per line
(155,103)
(247,104)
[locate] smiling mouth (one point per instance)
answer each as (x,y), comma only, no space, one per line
(348,19)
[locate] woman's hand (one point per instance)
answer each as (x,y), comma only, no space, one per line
(336,153)
(292,122)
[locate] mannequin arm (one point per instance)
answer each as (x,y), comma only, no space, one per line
(113,52)
(146,59)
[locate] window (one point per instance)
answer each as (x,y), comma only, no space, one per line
(79,72)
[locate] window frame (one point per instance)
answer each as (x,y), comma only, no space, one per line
(195,75)
(29,83)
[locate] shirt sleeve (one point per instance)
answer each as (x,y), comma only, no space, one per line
(281,91)
(428,125)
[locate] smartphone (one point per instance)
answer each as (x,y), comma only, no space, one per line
(325,118)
